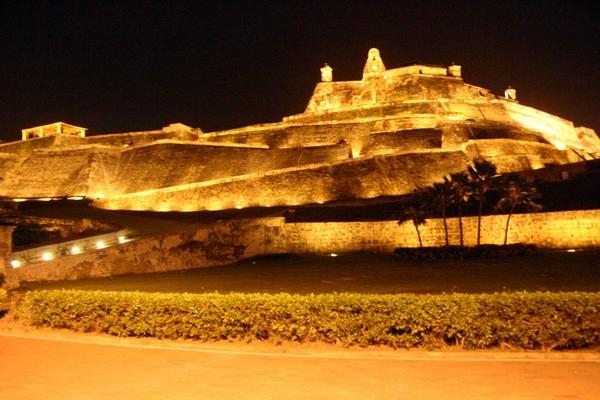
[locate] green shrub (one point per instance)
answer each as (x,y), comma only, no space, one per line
(525,320)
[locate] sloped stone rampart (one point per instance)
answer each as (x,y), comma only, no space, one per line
(76,171)
(229,241)
(102,171)
(175,164)
(405,140)
(394,174)
(216,244)
(23,147)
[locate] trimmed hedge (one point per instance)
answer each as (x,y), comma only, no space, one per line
(569,320)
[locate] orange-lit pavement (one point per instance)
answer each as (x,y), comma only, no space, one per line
(49,366)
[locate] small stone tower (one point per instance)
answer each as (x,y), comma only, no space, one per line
(326,73)
(455,71)
(510,94)
(374,66)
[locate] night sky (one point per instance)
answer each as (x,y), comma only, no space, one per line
(115,66)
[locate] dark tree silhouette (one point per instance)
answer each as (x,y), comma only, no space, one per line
(517,192)
(483,179)
(413,210)
(461,194)
(440,196)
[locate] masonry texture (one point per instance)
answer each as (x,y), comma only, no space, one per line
(377,136)
(229,241)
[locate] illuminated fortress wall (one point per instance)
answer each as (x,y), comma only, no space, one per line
(204,162)
(61,173)
(425,110)
(101,171)
(229,241)
(357,178)
(513,155)
(23,147)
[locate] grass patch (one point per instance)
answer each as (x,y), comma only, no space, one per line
(365,273)
(523,320)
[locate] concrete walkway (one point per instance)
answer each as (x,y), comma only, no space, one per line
(58,365)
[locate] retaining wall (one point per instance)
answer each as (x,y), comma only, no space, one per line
(228,241)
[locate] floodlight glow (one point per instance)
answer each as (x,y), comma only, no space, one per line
(15,263)
(100,244)
(47,256)
(122,239)
(75,250)
(333,255)
(571,251)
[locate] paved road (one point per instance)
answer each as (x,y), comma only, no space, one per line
(38,367)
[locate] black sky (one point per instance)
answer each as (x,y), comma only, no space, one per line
(116,66)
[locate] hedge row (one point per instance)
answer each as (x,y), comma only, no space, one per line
(569,320)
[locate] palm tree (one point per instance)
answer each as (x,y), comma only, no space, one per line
(440,196)
(483,178)
(413,210)
(461,194)
(517,192)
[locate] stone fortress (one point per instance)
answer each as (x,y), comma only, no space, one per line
(384,135)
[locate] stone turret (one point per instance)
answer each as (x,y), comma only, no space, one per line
(455,71)
(326,73)
(374,66)
(510,94)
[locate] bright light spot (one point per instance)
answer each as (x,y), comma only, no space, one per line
(75,198)
(122,239)
(44,199)
(571,251)
(15,263)
(355,153)
(455,118)
(238,207)
(552,129)
(19,200)
(75,250)
(333,255)
(100,244)
(100,195)
(47,256)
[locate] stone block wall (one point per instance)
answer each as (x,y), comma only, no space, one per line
(179,163)
(216,244)
(567,229)
(5,248)
(76,171)
(229,241)
(367,177)
(405,140)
